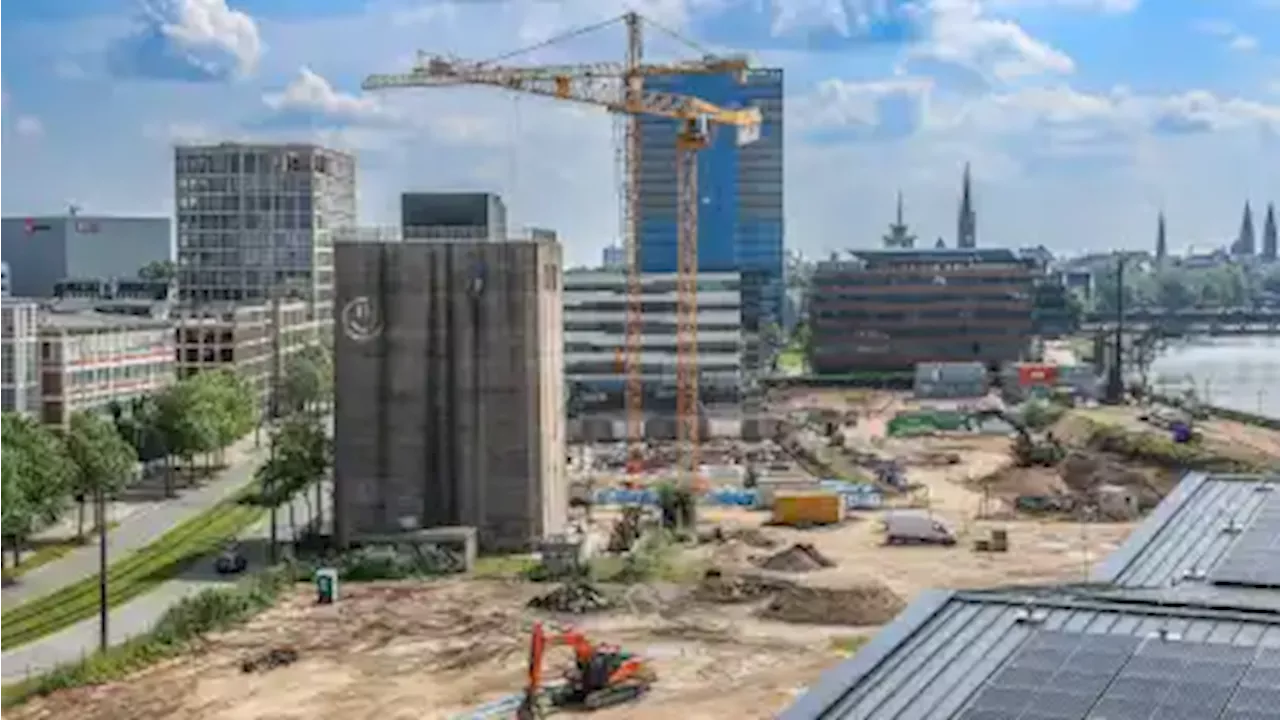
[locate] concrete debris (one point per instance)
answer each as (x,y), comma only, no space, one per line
(576,598)
(871,604)
(801,557)
(726,589)
(270,660)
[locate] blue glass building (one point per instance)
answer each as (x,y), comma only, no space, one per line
(740,217)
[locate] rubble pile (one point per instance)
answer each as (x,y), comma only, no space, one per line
(801,557)
(870,604)
(717,587)
(575,598)
(270,660)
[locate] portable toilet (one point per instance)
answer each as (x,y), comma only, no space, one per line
(326,586)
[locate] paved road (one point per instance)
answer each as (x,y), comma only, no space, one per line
(138,529)
(138,615)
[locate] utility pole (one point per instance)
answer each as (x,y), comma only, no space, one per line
(101,511)
(1115,376)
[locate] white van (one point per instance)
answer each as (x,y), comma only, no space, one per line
(904,528)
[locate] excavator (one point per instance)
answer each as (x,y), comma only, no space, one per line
(602,675)
(1029,449)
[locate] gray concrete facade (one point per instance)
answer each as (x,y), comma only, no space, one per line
(449,371)
(40,251)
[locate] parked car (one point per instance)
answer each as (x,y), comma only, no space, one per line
(231,561)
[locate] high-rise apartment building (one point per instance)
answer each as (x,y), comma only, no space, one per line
(257,220)
(740,210)
(453,216)
(41,251)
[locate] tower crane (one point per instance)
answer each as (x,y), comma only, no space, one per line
(618,87)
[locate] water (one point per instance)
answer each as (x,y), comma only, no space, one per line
(1241,373)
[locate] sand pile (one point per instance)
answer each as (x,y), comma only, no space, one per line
(870,604)
(801,557)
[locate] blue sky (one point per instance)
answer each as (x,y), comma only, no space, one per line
(1081,118)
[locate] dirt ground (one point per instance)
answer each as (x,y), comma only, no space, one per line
(437,650)
(1227,437)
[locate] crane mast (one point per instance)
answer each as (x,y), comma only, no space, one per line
(620,89)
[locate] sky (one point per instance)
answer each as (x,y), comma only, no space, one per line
(1081,119)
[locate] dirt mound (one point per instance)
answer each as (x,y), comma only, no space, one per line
(578,598)
(270,660)
(871,604)
(754,537)
(801,557)
(1084,472)
(719,588)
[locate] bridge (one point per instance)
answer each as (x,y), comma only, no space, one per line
(1231,321)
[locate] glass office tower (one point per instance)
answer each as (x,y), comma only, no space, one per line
(740,226)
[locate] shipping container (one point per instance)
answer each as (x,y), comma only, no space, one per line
(819,508)
(1037,374)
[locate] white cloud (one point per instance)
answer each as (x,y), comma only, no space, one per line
(1105,6)
(313,94)
(191,40)
(28,126)
(1229,34)
(998,50)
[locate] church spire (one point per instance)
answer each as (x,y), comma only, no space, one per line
(1245,242)
(1269,238)
(967,224)
(899,234)
(1162,243)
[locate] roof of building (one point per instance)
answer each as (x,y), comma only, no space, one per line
(89,319)
(940,255)
(968,654)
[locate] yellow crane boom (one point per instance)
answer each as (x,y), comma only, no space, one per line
(619,89)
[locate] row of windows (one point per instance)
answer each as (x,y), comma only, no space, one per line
(836,336)
(704,348)
(922,297)
(251,162)
(852,317)
(824,286)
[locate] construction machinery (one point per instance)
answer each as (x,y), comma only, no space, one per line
(619,89)
(1029,449)
(601,676)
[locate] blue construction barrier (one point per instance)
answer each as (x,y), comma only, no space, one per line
(857,496)
(736,497)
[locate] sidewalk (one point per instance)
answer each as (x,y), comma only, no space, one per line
(139,527)
(140,614)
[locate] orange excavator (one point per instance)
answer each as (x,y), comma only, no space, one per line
(602,675)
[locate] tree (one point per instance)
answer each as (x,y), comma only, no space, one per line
(308,379)
(187,420)
(37,478)
(301,454)
(102,461)
(158,270)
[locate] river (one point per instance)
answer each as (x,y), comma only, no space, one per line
(1241,373)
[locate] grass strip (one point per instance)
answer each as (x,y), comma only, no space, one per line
(133,575)
(187,621)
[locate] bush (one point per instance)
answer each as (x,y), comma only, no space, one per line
(188,620)
(1039,414)
(385,562)
(1162,450)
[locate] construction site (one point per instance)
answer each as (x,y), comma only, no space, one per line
(643,577)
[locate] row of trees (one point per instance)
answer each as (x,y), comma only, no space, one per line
(301,450)
(1177,288)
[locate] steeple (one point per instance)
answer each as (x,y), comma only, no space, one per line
(1269,238)
(967,225)
(1245,242)
(1162,244)
(899,235)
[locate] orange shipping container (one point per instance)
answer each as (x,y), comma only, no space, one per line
(792,508)
(1037,374)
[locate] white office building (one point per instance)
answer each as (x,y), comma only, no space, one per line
(595,320)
